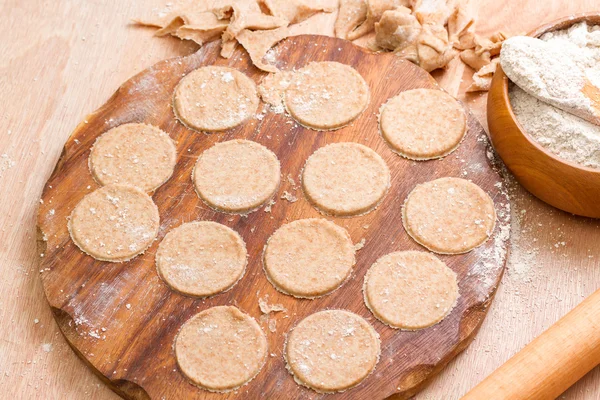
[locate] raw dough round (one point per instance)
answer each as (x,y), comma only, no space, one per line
(114,223)
(332,350)
(221,349)
(449,215)
(345,179)
(201,258)
(422,124)
(309,257)
(410,289)
(326,95)
(237,176)
(215,98)
(133,154)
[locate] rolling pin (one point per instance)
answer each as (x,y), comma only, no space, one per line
(552,362)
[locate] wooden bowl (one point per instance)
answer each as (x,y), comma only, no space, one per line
(561,183)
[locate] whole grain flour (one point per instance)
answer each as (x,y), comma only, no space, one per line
(566,135)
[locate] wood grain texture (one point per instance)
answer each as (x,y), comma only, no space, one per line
(62,59)
(551,363)
(122,319)
(561,183)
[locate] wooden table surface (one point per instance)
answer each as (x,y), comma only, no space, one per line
(61,59)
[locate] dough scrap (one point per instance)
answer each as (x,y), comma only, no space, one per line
(422,124)
(397,30)
(435,12)
(351,14)
(220,349)
(187,19)
(273,86)
(215,99)
(240,20)
(237,176)
(434,48)
(326,95)
(410,289)
(204,31)
(260,24)
(187,11)
(483,50)
(332,351)
(459,23)
(258,43)
(266,308)
(133,154)
(296,11)
(345,179)
(449,215)
(375,10)
(309,258)
(201,258)
(482,79)
(114,223)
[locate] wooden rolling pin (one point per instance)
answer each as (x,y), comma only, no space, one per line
(551,363)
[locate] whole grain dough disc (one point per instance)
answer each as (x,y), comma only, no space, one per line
(331,351)
(410,289)
(326,95)
(133,154)
(220,349)
(449,215)
(309,257)
(215,98)
(201,258)
(345,179)
(422,124)
(237,176)
(114,223)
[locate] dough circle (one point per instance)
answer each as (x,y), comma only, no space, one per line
(410,289)
(332,350)
(422,124)
(215,98)
(449,215)
(345,179)
(201,258)
(220,349)
(236,176)
(309,258)
(114,223)
(326,95)
(133,154)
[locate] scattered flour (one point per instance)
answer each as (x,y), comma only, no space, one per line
(5,164)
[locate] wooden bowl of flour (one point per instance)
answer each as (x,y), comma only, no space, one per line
(563,184)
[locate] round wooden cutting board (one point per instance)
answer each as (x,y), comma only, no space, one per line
(121,319)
